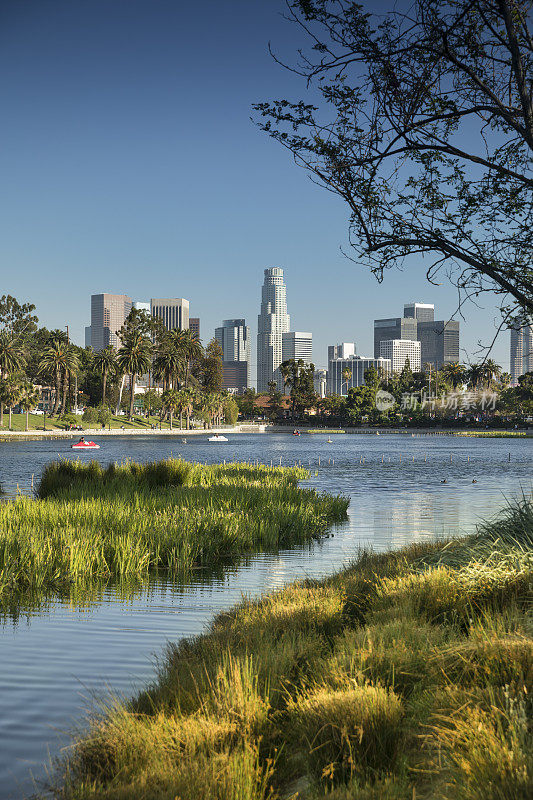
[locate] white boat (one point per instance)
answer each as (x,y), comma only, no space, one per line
(217,437)
(329,441)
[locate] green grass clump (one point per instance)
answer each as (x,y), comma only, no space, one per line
(407,675)
(92,522)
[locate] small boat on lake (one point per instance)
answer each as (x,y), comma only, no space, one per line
(85,444)
(296,433)
(217,437)
(329,441)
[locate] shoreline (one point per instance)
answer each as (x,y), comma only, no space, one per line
(85,432)
(262,428)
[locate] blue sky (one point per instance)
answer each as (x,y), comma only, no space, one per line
(129,164)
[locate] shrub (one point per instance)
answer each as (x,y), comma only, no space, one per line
(90,415)
(489,754)
(357,731)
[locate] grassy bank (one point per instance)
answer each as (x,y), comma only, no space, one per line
(36,422)
(406,676)
(93,522)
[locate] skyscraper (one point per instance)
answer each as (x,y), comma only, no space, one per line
(343,350)
(194,326)
(439,339)
(439,342)
(393,328)
(346,372)
(234,339)
(423,312)
(521,348)
(297,344)
(399,351)
(172,311)
(272,322)
(108,313)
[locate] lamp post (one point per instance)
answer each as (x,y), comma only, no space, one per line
(69,394)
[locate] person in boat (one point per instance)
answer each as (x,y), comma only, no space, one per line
(82,440)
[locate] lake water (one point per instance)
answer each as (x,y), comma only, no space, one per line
(57,654)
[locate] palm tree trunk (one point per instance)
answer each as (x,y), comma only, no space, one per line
(120,394)
(58,392)
(104,384)
(27,419)
(10,412)
(65,389)
(1,414)
(132,394)
(171,419)
(181,418)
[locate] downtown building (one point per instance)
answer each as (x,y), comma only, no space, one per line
(342,359)
(172,311)
(297,345)
(521,348)
(272,322)
(400,353)
(108,314)
(194,326)
(439,339)
(234,339)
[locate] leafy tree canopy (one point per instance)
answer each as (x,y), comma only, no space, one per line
(422,121)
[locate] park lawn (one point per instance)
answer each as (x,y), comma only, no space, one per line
(36,422)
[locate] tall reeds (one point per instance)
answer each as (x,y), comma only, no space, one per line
(94,522)
(408,675)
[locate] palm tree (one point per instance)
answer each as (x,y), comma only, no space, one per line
(134,359)
(12,359)
(171,402)
(52,362)
(70,366)
(454,373)
(182,404)
(167,366)
(190,349)
(29,397)
(105,362)
(475,375)
(11,393)
(492,371)
(285,369)
(346,376)
(191,399)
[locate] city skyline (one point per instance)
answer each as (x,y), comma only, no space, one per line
(418,323)
(121,206)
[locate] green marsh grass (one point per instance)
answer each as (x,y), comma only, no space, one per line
(407,675)
(91,522)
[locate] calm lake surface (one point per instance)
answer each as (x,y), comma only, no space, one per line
(58,654)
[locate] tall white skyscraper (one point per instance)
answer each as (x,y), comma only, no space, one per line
(272,323)
(521,349)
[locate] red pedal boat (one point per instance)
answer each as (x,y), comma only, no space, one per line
(84,444)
